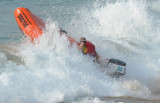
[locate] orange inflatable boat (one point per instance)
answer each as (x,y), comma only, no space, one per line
(30,24)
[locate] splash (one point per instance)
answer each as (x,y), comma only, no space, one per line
(54,72)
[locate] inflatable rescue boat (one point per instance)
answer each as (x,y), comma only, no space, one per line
(30,24)
(33,26)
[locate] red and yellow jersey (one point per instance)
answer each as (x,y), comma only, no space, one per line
(89,48)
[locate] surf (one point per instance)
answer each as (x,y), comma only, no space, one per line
(55,75)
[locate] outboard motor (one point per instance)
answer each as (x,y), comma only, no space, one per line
(113,67)
(118,66)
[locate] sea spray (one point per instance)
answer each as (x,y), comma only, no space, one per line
(53,71)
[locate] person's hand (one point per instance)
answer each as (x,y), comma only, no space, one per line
(77,43)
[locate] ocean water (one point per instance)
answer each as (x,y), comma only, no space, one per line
(50,71)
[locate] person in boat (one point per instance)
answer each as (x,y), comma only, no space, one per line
(88,48)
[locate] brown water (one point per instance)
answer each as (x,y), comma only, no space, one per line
(10,51)
(122,99)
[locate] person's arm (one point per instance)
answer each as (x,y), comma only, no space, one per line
(80,47)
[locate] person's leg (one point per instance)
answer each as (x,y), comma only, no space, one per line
(97,56)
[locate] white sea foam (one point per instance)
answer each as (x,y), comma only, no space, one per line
(155,5)
(54,71)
